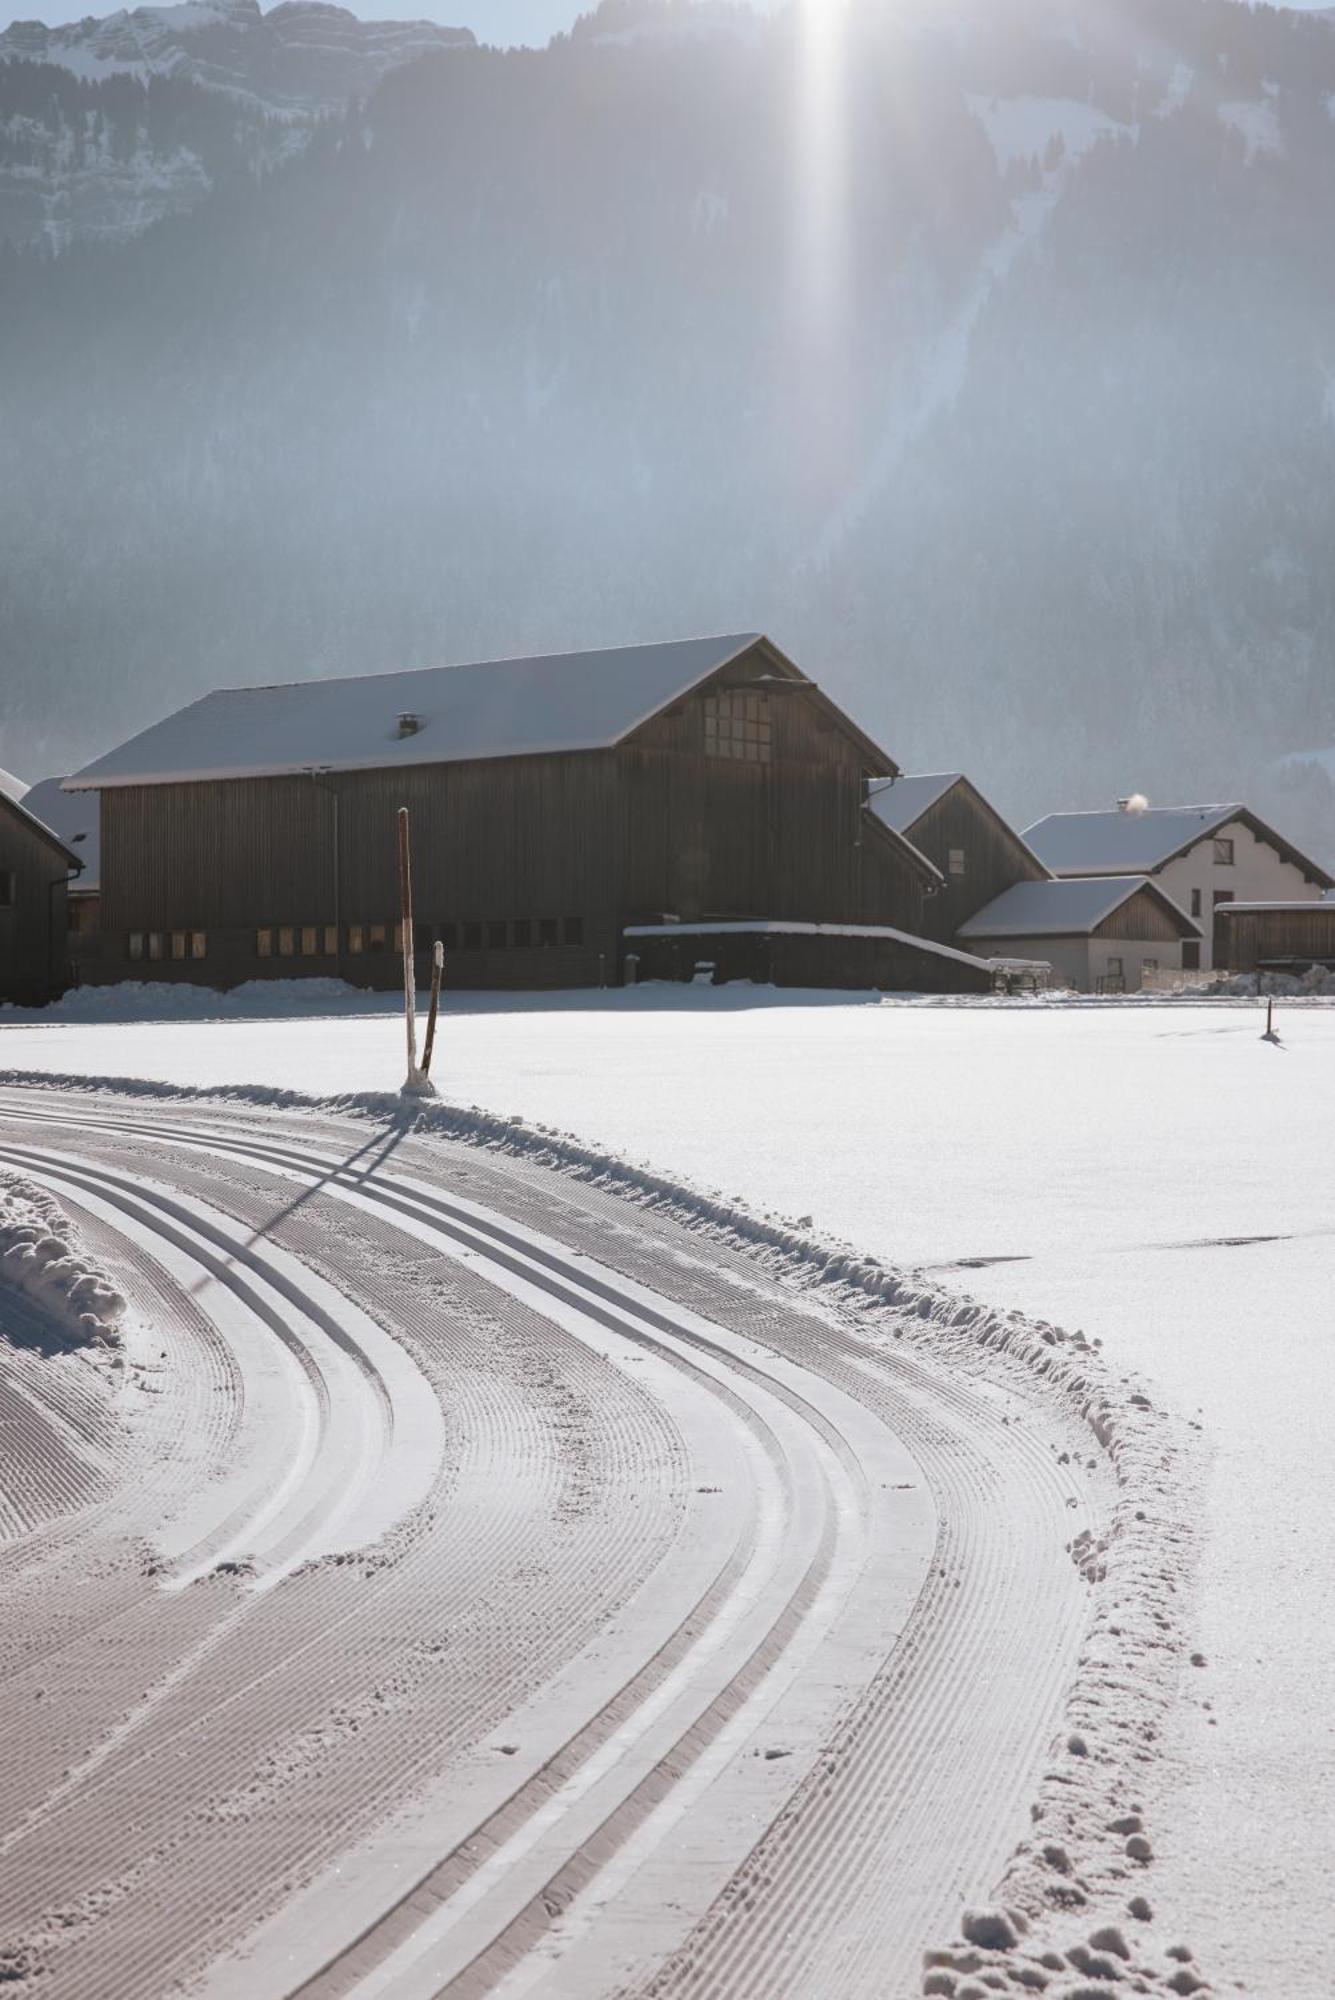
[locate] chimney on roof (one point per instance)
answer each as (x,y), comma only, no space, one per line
(1136,802)
(409,724)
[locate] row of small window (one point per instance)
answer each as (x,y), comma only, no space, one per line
(169,944)
(321,940)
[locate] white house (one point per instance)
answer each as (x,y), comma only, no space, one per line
(1199,856)
(1100,934)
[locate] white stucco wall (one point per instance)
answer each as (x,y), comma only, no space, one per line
(1257,875)
(1080,961)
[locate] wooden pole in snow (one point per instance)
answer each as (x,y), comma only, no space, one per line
(406,936)
(437,967)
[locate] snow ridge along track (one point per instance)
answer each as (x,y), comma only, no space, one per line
(747,1710)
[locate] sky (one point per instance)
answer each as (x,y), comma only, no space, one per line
(500,21)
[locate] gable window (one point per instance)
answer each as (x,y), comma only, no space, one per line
(8,888)
(1223,853)
(1195,902)
(957,861)
(738,725)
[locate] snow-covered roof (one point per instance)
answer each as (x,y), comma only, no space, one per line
(1071,906)
(75,818)
(488,708)
(1118,842)
(12,787)
(780,928)
(1322,904)
(902,804)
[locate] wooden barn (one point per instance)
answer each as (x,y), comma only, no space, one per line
(35,870)
(74,818)
(554,801)
(979,856)
(1289,937)
(1104,934)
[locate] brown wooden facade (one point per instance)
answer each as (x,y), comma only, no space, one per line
(34,876)
(1288,937)
(528,866)
(837,959)
(978,855)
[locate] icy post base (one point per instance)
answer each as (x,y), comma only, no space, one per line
(417,1084)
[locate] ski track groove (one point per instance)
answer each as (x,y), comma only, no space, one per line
(799,1907)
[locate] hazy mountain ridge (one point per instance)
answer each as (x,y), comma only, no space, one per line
(527,352)
(108,126)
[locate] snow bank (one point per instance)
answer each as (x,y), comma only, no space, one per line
(179,1000)
(42,1257)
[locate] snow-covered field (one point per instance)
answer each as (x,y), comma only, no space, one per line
(1156,1175)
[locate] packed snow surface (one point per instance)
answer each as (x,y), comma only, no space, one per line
(1152,1173)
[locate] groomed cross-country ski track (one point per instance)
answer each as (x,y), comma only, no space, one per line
(465,1582)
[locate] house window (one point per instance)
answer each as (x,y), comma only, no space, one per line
(287,940)
(423,937)
(523,932)
(472,937)
(356,938)
(547,930)
(1195,902)
(155,942)
(1191,955)
(136,944)
(264,944)
(738,725)
(1114,968)
(8,888)
(199,944)
(1223,853)
(574,930)
(496,935)
(310,940)
(1148,966)
(331,940)
(377,937)
(178,944)
(449,934)
(1222,896)
(957,860)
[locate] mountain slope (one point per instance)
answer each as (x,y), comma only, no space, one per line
(1006,405)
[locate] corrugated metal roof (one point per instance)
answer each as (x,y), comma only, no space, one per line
(902,804)
(488,708)
(1072,906)
(1119,843)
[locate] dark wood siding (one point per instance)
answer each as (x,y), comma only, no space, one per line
(995,859)
(1144,918)
(574,845)
(33,919)
(775,958)
(1250,939)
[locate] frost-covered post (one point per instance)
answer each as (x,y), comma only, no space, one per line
(415,1080)
(437,967)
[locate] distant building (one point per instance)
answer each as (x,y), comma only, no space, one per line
(1100,934)
(555,802)
(1276,937)
(74,817)
(978,854)
(35,868)
(1201,856)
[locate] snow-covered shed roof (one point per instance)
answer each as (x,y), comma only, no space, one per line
(1070,906)
(435,715)
(764,927)
(12,787)
(17,802)
(1114,843)
(75,818)
(902,804)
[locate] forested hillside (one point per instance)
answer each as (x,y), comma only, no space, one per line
(1020,380)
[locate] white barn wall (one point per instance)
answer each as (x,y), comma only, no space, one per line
(1258,874)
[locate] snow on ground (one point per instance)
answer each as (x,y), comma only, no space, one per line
(1153,1174)
(42,1257)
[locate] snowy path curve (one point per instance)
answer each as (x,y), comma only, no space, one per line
(558,1613)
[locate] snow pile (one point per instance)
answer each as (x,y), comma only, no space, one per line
(41,1256)
(1315,984)
(175,1000)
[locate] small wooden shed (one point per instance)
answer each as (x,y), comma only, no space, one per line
(1275,937)
(858,957)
